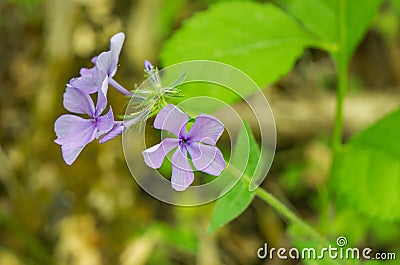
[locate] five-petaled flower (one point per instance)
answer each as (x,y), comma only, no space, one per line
(74,132)
(199,142)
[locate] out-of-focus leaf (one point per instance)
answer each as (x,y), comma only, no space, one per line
(33,245)
(340,22)
(167,16)
(366,172)
(180,238)
(260,39)
(235,201)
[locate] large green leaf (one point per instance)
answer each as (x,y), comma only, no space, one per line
(260,39)
(235,201)
(339,22)
(366,172)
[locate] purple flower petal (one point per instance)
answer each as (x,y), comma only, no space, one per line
(102,95)
(77,101)
(119,128)
(207,158)
(105,123)
(116,43)
(182,173)
(108,61)
(72,128)
(104,62)
(206,129)
(73,133)
(172,119)
(85,83)
(71,153)
(155,155)
(90,81)
(87,71)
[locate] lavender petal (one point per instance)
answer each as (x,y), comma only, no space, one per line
(77,101)
(172,119)
(207,158)
(102,95)
(108,61)
(155,155)
(85,83)
(206,129)
(105,123)
(182,173)
(116,43)
(117,129)
(73,133)
(104,62)
(87,71)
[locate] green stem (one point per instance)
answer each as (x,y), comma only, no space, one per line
(341,59)
(340,95)
(288,214)
(281,208)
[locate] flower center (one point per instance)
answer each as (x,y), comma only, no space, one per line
(183,141)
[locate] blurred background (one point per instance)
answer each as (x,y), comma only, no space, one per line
(93,212)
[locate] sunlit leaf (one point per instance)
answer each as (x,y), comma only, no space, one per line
(366,173)
(259,39)
(340,22)
(233,203)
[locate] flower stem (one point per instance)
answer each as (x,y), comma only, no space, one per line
(281,208)
(119,87)
(341,59)
(340,94)
(288,214)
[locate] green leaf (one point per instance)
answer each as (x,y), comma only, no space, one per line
(339,22)
(366,172)
(259,39)
(235,201)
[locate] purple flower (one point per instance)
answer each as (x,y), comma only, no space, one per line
(106,64)
(199,143)
(74,132)
(118,128)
